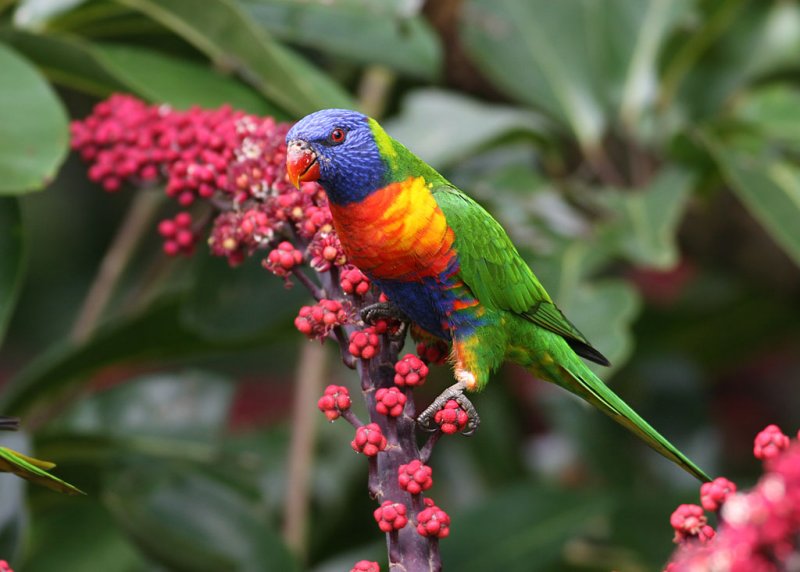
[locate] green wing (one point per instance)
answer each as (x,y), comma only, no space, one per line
(34,470)
(497,274)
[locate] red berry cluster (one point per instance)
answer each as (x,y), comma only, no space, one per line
(178,235)
(369,440)
(415,477)
(5,567)
(335,400)
(432,521)
(353,281)
(451,418)
(759,530)
(433,351)
(283,259)
(325,251)
(410,371)
(391,516)
(366,566)
(364,343)
(317,321)
(390,401)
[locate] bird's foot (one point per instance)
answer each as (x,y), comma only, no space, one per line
(374,313)
(427,419)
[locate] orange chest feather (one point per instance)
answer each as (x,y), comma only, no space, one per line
(398,232)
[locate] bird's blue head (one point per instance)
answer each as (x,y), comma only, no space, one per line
(337,148)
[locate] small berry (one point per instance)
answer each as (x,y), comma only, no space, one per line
(335,400)
(366,566)
(390,401)
(282,259)
(714,494)
(369,440)
(5,566)
(433,522)
(769,443)
(317,321)
(689,521)
(353,281)
(325,251)
(177,234)
(434,352)
(364,344)
(415,477)
(410,371)
(391,516)
(451,418)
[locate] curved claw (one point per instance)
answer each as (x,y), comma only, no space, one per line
(382,311)
(455,392)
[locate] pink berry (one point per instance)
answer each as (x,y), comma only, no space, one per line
(369,440)
(366,566)
(390,401)
(335,400)
(451,418)
(391,516)
(714,494)
(769,443)
(410,371)
(433,522)
(689,521)
(415,477)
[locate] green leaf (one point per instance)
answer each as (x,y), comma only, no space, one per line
(529,527)
(34,470)
(768,185)
(65,61)
(225,33)
(35,14)
(443,127)
(154,334)
(772,111)
(605,63)
(385,35)
(189,520)
(180,83)
(647,219)
(34,138)
(12,259)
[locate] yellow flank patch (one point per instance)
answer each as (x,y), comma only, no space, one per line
(397,232)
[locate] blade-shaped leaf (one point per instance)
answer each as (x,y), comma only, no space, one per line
(772,111)
(12,259)
(225,33)
(181,83)
(34,470)
(604,66)
(443,127)
(385,35)
(768,185)
(34,138)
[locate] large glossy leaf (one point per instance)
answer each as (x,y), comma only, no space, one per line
(767,184)
(647,219)
(181,83)
(67,61)
(443,127)
(155,333)
(33,127)
(385,34)
(607,61)
(225,33)
(12,259)
(529,527)
(188,520)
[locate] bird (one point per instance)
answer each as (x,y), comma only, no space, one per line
(448,267)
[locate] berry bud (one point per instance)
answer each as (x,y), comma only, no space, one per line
(335,400)
(769,443)
(391,516)
(689,521)
(714,494)
(433,522)
(353,281)
(410,371)
(369,440)
(390,401)
(366,566)
(364,344)
(415,477)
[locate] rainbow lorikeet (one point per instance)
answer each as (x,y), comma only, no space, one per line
(448,266)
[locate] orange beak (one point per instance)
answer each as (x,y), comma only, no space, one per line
(301,163)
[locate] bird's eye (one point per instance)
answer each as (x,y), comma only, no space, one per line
(337,136)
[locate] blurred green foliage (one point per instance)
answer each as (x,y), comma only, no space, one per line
(642,153)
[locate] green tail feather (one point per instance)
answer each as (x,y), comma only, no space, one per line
(576,377)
